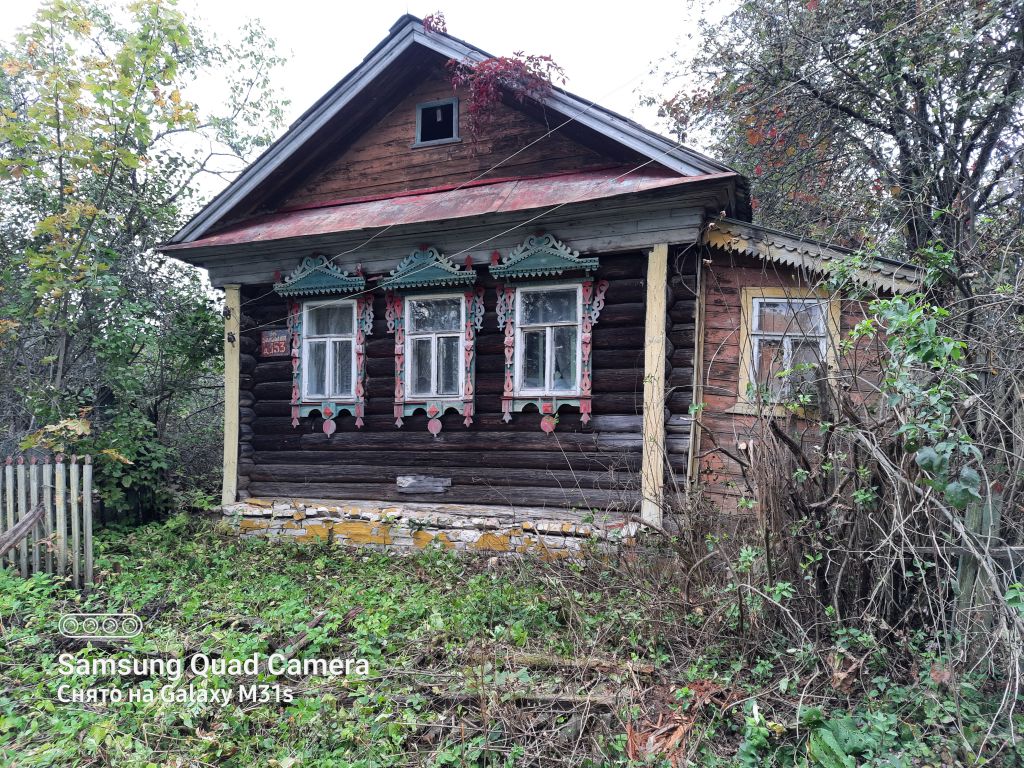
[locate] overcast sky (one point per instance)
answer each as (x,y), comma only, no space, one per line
(606,54)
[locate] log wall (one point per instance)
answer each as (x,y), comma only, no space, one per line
(593,466)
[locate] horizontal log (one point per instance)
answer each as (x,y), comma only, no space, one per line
(379,400)
(680,400)
(680,377)
(682,312)
(248,344)
(682,358)
(568,422)
(271,452)
(246,363)
(405,439)
(457,476)
(511,496)
(678,423)
(273,371)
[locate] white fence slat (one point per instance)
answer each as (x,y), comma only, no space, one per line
(76,524)
(22,514)
(87,516)
(12,556)
(61,537)
(48,513)
(37,532)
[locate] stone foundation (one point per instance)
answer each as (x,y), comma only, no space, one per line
(381,525)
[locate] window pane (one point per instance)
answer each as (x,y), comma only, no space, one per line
(316,368)
(420,367)
(448,365)
(790,317)
(549,306)
(564,376)
(533,359)
(330,320)
(768,364)
(435,315)
(804,366)
(342,367)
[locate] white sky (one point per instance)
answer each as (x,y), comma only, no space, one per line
(607,54)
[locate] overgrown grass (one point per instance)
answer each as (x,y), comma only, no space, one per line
(469,665)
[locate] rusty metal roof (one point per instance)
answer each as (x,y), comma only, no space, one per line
(440,204)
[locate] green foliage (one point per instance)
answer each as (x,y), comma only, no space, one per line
(199,589)
(102,155)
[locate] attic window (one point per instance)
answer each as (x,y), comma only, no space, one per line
(437,122)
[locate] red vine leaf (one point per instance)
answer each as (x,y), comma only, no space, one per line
(435,22)
(522,76)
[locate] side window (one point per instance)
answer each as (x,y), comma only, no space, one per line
(548,340)
(328,349)
(786,340)
(434,327)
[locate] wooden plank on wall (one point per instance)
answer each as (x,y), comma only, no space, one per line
(232,331)
(653,472)
(693,468)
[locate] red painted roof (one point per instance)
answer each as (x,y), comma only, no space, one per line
(475,199)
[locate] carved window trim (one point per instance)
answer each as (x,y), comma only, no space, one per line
(317,281)
(427,274)
(543,256)
(329,407)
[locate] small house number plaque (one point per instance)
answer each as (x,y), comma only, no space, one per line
(273,343)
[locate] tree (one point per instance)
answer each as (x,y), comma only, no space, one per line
(102,156)
(895,127)
(895,124)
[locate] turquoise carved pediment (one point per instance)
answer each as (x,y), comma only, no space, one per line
(541,256)
(427,268)
(317,276)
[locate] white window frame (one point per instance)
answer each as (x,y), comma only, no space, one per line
(454,101)
(786,337)
(549,347)
(410,335)
(329,355)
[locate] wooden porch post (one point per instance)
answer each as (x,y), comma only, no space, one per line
(652,485)
(232,329)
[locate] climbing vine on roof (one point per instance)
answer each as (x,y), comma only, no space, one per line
(523,76)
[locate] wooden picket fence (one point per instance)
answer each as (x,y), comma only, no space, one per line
(46,517)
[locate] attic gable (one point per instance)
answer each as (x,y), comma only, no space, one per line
(385,159)
(386,74)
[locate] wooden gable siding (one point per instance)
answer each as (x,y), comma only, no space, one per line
(584,467)
(383,161)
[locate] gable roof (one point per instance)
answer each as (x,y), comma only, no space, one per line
(406,34)
(784,248)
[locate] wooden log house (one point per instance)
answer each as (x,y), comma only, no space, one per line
(488,339)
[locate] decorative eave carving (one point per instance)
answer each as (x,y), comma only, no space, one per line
(317,276)
(541,256)
(784,248)
(427,268)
